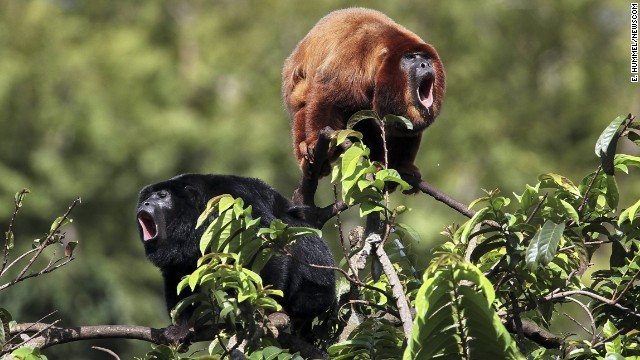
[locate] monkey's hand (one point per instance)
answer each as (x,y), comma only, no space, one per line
(409,170)
(312,164)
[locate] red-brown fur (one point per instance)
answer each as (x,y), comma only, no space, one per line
(350,61)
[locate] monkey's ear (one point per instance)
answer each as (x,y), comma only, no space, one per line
(192,193)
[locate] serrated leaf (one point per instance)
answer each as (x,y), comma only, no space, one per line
(544,245)
(362,115)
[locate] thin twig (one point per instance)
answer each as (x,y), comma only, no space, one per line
(629,284)
(27,330)
(382,308)
(586,192)
(592,321)
(608,339)
(5,252)
(17,260)
(45,243)
(110,352)
(564,294)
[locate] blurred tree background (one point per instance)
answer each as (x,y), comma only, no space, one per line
(99,98)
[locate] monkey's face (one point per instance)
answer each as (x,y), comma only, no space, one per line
(166,215)
(421,76)
(152,213)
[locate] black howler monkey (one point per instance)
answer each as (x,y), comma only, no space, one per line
(359,59)
(167,214)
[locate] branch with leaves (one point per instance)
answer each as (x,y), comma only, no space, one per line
(497,281)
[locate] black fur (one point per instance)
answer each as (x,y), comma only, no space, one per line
(175,205)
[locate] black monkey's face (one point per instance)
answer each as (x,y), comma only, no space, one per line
(421,76)
(152,213)
(167,214)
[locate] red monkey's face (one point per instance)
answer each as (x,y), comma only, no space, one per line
(421,76)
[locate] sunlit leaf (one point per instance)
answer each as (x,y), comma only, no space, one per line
(608,135)
(544,245)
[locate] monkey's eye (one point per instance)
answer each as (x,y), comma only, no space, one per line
(163,194)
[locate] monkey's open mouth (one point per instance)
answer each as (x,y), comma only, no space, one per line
(425,91)
(148,226)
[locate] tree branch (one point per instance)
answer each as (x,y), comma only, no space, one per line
(440,196)
(47,335)
(535,333)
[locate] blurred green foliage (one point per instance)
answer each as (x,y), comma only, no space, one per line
(99,98)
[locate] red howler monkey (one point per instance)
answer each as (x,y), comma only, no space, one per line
(359,59)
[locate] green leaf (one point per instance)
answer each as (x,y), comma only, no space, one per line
(298,231)
(362,115)
(395,119)
(475,220)
(407,233)
(342,135)
(608,135)
(60,222)
(19,197)
(627,160)
(544,245)
(607,143)
(9,239)
(349,160)
(211,236)
(570,211)
(391,175)
(629,213)
(438,330)
(612,196)
(367,207)
(556,181)
(371,339)
(210,209)
(609,329)
(194,278)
